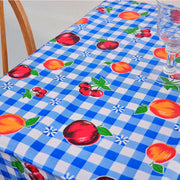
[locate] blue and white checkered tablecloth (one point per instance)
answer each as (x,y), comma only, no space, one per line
(123,155)
(8,172)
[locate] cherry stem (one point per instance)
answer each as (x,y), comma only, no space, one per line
(14,157)
(33,93)
(177,82)
(100,125)
(169,84)
(26,169)
(151,163)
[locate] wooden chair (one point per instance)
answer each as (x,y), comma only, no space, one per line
(25,28)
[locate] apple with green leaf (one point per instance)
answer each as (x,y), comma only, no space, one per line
(22,71)
(67,39)
(84,133)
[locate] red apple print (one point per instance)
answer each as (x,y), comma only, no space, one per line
(30,167)
(105,44)
(83,133)
(68,39)
(97,93)
(85,91)
(104,178)
(21,72)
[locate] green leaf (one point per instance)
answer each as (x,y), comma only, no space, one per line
(27,91)
(108,63)
(68,63)
(31,121)
(24,95)
(166,80)
(101,40)
(34,72)
(53,40)
(17,164)
(135,2)
(104,131)
(27,94)
(144,13)
(95,81)
(141,109)
(108,9)
(177,60)
(131,30)
(13,163)
(175,88)
(158,168)
(167,87)
(136,28)
(102,82)
(106,88)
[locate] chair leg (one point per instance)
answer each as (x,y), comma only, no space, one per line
(3,39)
(24,24)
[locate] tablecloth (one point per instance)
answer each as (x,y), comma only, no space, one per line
(93,103)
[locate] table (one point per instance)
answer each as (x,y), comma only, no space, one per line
(93,103)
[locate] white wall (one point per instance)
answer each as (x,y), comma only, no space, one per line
(48,19)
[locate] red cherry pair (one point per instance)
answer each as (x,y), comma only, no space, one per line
(39,91)
(144,33)
(86,90)
(101,9)
(35,174)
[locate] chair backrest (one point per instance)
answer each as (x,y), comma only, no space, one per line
(25,29)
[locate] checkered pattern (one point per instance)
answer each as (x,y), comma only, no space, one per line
(7,172)
(122,156)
